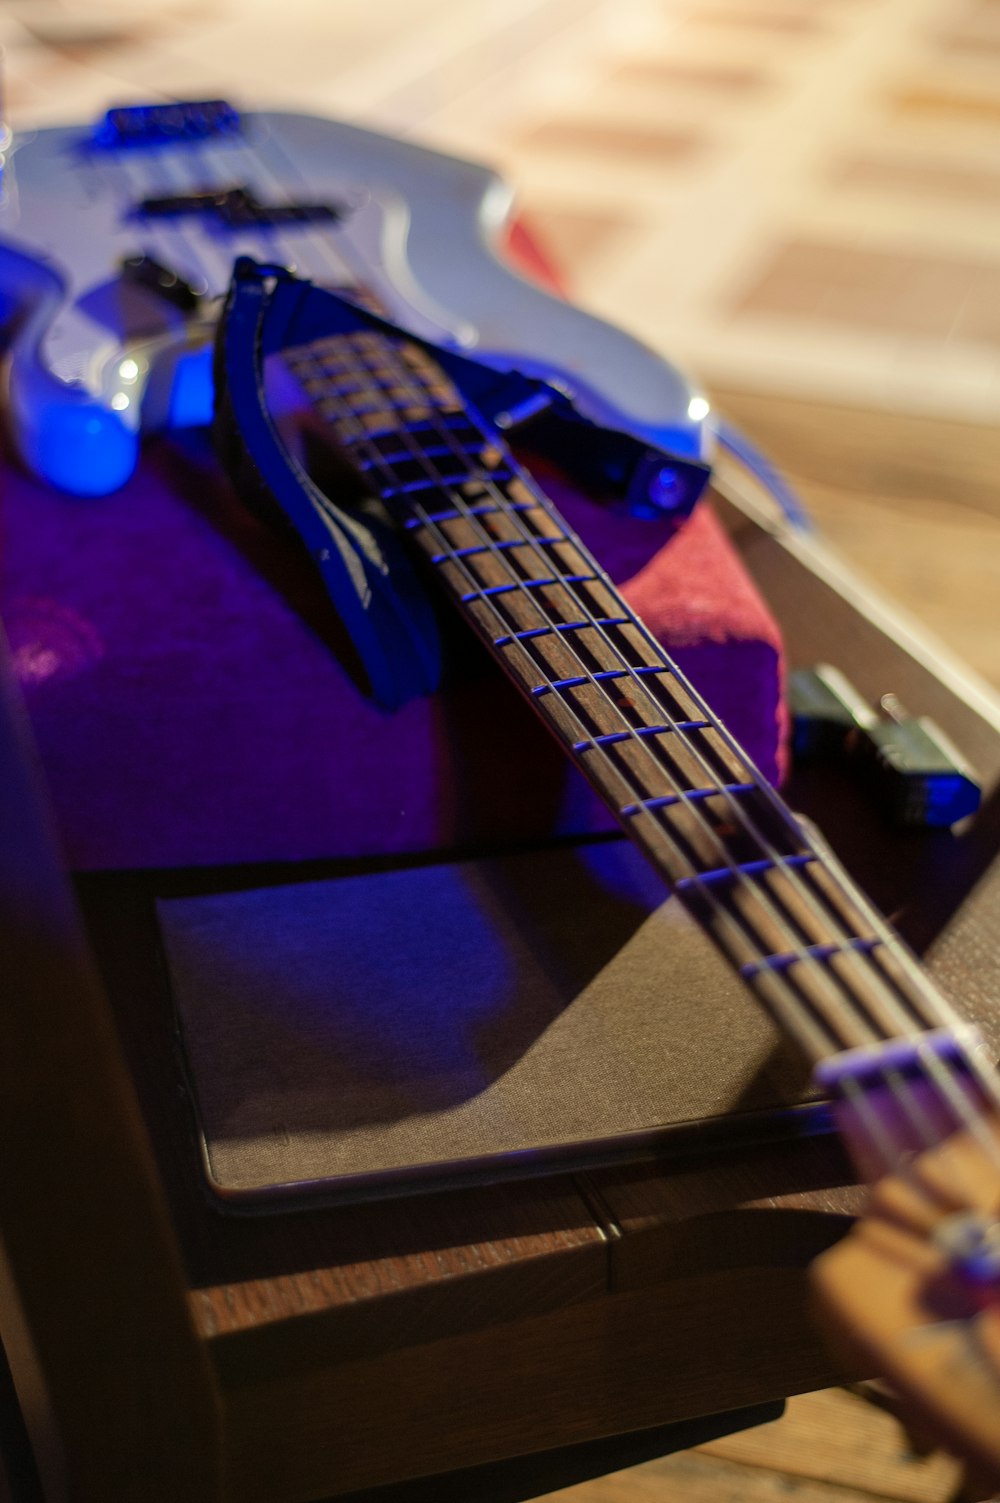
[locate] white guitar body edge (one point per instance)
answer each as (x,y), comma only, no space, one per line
(422,231)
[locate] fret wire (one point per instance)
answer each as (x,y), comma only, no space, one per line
(926,1003)
(796,1015)
(474,548)
(722,873)
(940,1012)
(487,509)
(812,952)
(482,592)
(610,738)
(828,980)
(560,626)
(821,910)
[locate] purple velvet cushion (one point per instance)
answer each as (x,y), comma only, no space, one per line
(188,713)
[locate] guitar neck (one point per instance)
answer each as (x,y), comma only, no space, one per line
(796,928)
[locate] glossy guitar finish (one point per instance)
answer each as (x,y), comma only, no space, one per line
(117,243)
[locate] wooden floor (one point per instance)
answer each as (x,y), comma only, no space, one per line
(830,1447)
(914,504)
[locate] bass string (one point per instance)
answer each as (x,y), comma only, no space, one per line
(739,875)
(331,249)
(941,1013)
(945,1074)
(275,244)
(891,1153)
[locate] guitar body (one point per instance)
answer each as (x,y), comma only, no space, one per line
(115,255)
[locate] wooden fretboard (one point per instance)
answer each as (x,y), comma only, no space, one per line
(793,924)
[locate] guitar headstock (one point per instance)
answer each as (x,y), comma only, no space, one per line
(914,1290)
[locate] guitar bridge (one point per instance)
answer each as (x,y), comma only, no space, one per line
(238,209)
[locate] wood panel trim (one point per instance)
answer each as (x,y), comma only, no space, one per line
(94,1293)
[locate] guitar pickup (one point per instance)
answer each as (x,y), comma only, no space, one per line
(238,209)
(166,124)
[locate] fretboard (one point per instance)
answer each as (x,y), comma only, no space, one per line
(762,885)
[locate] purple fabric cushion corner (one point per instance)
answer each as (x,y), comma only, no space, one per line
(188,713)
